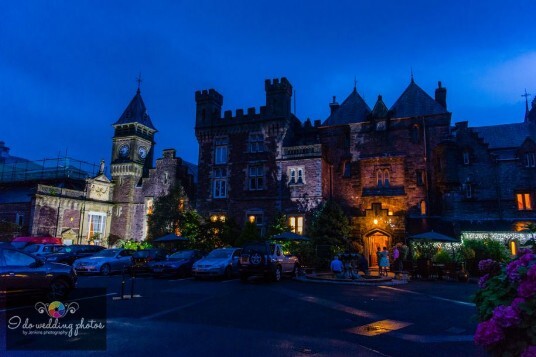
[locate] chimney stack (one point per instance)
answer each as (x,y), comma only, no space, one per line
(441,95)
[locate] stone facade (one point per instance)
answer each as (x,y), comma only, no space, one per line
(395,171)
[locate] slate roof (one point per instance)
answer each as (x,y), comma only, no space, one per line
(352,110)
(414,101)
(136,112)
(380,109)
(506,135)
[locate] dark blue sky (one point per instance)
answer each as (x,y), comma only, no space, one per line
(68,68)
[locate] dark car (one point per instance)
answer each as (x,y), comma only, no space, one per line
(177,264)
(142,258)
(24,274)
(69,253)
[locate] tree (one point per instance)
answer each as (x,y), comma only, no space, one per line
(329,225)
(279,225)
(249,233)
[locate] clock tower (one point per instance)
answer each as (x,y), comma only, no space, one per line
(132,157)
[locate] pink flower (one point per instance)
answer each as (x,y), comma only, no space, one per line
(527,288)
(529,352)
(506,316)
(488,333)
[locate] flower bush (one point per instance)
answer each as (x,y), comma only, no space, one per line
(506,305)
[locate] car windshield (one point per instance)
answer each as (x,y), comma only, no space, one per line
(220,253)
(19,245)
(31,248)
(68,249)
(106,253)
(144,253)
(182,255)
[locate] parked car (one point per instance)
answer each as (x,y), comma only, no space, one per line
(268,260)
(24,274)
(177,264)
(21,242)
(142,258)
(105,262)
(69,253)
(221,262)
(40,250)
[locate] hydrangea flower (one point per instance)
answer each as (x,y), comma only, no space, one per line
(488,333)
(482,281)
(506,316)
(527,288)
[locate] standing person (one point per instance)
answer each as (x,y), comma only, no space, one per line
(363,264)
(396,262)
(336,267)
(378,258)
(384,261)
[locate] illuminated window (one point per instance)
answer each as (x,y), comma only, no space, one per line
(97,222)
(423,208)
(530,159)
(524,202)
(217,217)
(256,142)
(219,183)
(256,178)
(150,206)
(296,224)
(220,151)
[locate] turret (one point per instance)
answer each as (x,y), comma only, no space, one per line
(278,97)
(209,103)
(441,95)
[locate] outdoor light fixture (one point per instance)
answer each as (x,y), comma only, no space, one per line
(375,221)
(251,219)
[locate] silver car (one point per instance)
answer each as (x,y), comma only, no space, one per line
(221,262)
(105,262)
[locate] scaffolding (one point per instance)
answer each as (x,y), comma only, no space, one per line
(47,169)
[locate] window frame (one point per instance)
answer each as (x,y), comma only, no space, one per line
(221,152)
(256,177)
(525,201)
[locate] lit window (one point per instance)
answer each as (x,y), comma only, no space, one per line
(423,208)
(150,206)
(256,142)
(530,159)
(524,202)
(256,178)
(217,217)
(296,224)
(220,151)
(219,183)
(97,222)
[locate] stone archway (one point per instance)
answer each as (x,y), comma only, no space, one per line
(372,241)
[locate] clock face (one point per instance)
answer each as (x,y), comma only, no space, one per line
(124,150)
(142,151)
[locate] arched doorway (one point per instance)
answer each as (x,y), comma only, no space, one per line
(372,241)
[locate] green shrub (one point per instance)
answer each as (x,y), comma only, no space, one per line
(442,257)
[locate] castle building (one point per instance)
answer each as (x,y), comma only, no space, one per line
(395,171)
(71,199)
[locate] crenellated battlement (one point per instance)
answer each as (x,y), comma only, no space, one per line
(277,85)
(210,95)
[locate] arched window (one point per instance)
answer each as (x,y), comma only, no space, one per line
(379,178)
(386,178)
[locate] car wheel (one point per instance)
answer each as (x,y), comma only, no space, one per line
(59,289)
(277,273)
(105,269)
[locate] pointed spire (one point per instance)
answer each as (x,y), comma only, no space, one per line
(412,81)
(355,84)
(139,80)
(526,95)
